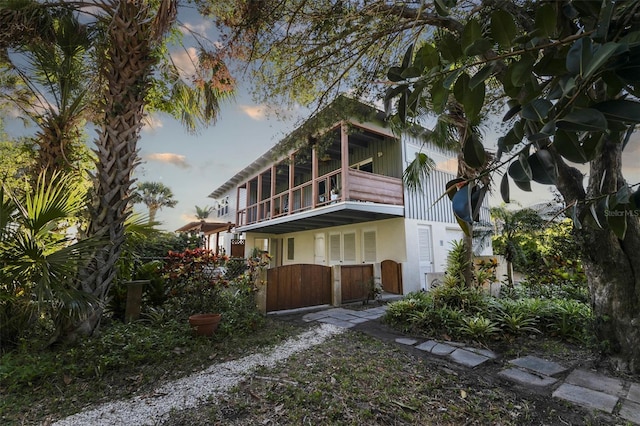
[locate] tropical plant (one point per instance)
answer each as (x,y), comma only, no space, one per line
(203,212)
(194,282)
(135,73)
(155,196)
(52,88)
(512,228)
(39,257)
(479,328)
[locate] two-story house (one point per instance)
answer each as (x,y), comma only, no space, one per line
(332,194)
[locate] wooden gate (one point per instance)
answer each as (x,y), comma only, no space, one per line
(356,282)
(391,276)
(237,248)
(298,286)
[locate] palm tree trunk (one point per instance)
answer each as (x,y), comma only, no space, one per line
(134,31)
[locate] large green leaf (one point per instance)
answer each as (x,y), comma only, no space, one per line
(471,99)
(600,57)
(545,20)
(569,147)
(504,188)
(472,31)
(524,185)
(439,96)
(543,168)
(522,70)
(473,152)
(585,119)
(620,110)
(537,110)
(395,74)
(519,172)
(579,56)
(449,48)
(503,28)
(481,76)
(427,57)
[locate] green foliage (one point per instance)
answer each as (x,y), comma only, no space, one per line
(453,312)
(194,282)
(39,258)
(478,328)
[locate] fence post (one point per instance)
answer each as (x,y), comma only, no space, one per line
(336,285)
(261,292)
(134,299)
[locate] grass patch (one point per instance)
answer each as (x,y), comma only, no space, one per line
(39,384)
(353,379)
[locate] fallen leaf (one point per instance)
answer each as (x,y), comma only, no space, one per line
(463,394)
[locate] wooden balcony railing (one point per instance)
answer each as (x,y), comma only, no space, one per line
(362,186)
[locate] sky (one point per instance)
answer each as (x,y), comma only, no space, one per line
(193,166)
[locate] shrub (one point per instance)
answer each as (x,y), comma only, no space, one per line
(193,282)
(478,328)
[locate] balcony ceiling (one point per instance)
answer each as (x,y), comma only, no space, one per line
(344,213)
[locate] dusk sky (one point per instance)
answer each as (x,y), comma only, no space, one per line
(193,166)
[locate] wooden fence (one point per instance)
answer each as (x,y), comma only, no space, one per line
(298,286)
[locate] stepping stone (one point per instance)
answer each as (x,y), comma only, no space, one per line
(427,346)
(315,316)
(539,365)
(358,320)
(406,341)
(483,352)
(467,358)
(346,316)
(337,322)
(634,393)
(527,378)
(585,397)
(630,411)
(596,382)
(442,349)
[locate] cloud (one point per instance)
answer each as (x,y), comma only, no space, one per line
(199,29)
(151,123)
(186,60)
(256,112)
(167,157)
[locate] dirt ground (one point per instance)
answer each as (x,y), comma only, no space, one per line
(362,377)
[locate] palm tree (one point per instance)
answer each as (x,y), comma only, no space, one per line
(155,196)
(510,225)
(39,260)
(52,90)
(203,212)
(134,73)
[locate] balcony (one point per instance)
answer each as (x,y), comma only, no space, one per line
(339,186)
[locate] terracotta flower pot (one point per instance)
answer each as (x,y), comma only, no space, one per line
(204,324)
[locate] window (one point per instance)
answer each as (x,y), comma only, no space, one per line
(369,246)
(349,245)
(364,166)
(342,248)
(290,249)
(335,252)
(223,207)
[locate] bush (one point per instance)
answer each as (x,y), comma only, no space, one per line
(194,282)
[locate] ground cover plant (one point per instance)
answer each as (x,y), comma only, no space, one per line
(556,308)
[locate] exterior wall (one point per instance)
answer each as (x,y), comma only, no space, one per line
(415,270)
(389,236)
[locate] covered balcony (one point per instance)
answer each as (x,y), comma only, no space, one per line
(351,174)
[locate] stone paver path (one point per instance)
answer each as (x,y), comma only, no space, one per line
(584,388)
